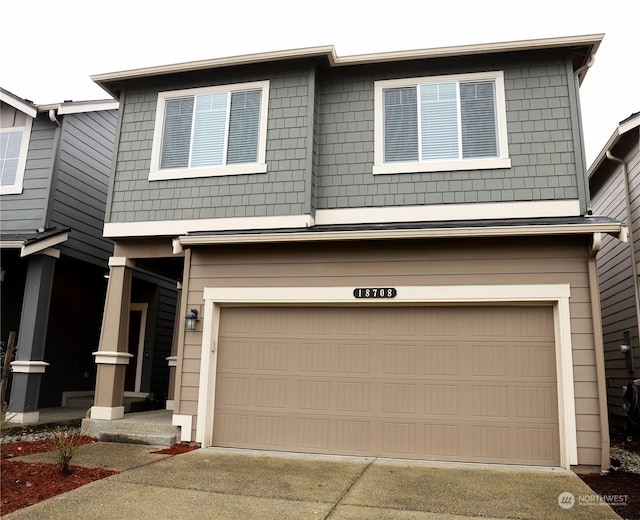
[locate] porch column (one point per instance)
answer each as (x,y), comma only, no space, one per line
(29,364)
(112,356)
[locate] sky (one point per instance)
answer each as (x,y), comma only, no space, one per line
(56,45)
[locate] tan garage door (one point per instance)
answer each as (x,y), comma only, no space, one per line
(474,384)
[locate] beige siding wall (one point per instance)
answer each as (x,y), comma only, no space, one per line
(616,278)
(436,262)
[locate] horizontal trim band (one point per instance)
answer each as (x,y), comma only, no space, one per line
(454,212)
(181,227)
(22,417)
(29,367)
(107,357)
(436,212)
(108,413)
(405,294)
(121,261)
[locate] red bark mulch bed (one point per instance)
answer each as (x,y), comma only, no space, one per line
(27,483)
(177,449)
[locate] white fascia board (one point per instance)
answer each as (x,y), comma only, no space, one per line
(12,244)
(21,105)
(466,232)
(41,245)
(629,124)
(621,129)
(78,107)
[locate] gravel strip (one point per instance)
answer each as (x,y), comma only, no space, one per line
(628,461)
(29,436)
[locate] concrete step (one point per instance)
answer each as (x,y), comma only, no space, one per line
(136,428)
(84,402)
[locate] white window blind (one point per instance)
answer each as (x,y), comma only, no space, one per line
(439,121)
(209,128)
(10,144)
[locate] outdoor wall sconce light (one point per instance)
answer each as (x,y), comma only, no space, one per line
(190,319)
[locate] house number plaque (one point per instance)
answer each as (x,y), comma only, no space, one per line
(375,292)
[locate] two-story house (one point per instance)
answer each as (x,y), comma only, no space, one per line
(614,179)
(381,255)
(55,169)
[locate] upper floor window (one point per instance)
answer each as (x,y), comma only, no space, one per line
(14,143)
(441,123)
(211,131)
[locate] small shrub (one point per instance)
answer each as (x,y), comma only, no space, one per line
(65,442)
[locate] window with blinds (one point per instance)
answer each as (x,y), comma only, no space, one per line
(211,131)
(456,121)
(14,145)
(451,122)
(10,145)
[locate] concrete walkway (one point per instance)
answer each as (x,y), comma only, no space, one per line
(224,484)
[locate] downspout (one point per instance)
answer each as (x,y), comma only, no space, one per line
(52,116)
(632,248)
(596,314)
(57,144)
(582,158)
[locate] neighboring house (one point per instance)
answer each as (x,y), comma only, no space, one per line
(389,255)
(614,180)
(55,168)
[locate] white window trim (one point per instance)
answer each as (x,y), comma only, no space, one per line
(16,187)
(557,295)
(379,166)
(155,173)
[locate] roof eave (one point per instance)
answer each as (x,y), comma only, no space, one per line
(613,228)
(110,81)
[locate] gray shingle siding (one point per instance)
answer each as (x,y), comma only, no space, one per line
(540,135)
(283,190)
(28,210)
(337,106)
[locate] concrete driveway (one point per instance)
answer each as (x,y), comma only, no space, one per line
(216,483)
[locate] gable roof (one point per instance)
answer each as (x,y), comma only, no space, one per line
(23,105)
(625,126)
(583,47)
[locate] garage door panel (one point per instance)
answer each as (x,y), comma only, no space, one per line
(378,386)
(441,360)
